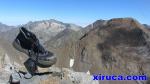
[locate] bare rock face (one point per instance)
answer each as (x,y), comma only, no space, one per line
(121,46)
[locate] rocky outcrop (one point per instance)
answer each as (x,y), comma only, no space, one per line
(58,76)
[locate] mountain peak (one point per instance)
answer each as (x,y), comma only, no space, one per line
(127,22)
(52,24)
(49,28)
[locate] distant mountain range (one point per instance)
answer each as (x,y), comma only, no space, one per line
(44,30)
(115,46)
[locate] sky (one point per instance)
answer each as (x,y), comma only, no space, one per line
(80,12)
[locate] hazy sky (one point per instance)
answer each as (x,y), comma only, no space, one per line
(81,12)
